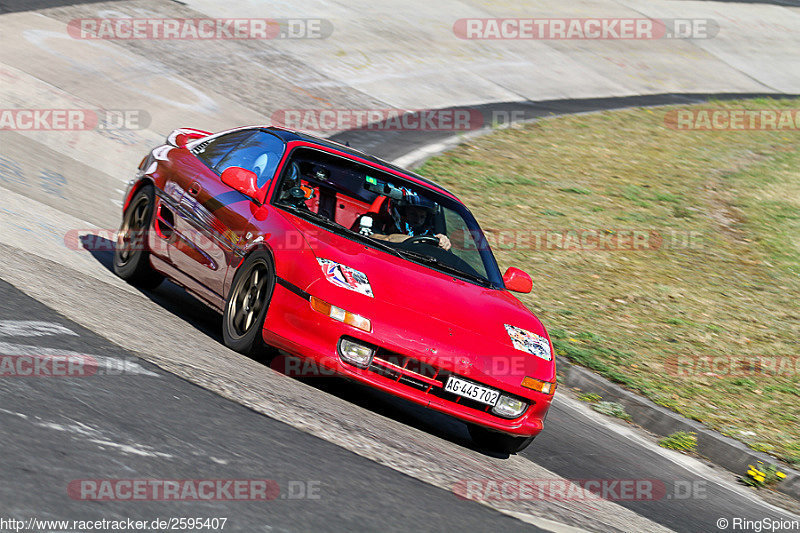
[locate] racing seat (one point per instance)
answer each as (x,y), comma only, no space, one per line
(382,221)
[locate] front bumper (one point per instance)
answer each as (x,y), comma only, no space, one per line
(293,326)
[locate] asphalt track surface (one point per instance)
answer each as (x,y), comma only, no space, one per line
(380,464)
(13,6)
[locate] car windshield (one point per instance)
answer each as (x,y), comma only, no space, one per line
(387,212)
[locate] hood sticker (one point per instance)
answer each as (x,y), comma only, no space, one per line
(346,277)
(531,343)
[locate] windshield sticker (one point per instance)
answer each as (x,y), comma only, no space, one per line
(529,342)
(346,277)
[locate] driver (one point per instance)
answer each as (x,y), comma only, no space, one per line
(413,217)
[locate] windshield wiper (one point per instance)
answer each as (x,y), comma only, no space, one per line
(377,243)
(325,221)
(427,259)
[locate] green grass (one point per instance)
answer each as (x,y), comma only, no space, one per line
(680,440)
(612,409)
(719,277)
(590,397)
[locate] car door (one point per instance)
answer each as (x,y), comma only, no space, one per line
(217,217)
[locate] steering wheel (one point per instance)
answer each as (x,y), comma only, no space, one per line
(423,239)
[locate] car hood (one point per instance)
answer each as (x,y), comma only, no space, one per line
(428,307)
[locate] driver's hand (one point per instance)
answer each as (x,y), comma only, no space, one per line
(444,242)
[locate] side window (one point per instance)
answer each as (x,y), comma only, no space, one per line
(211,152)
(260,153)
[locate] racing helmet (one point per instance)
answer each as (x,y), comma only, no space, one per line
(412,200)
(415,200)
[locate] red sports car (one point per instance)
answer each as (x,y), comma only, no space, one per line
(337,257)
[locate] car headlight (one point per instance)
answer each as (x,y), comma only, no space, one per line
(509,407)
(337,313)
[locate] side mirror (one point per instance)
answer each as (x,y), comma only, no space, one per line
(518,281)
(241,179)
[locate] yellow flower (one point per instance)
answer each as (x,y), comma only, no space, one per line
(751,473)
(780,474)
(760,479)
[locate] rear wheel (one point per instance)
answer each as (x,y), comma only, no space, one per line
(247,304)
(131,258)
(498,442)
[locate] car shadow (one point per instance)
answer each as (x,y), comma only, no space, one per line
(378,401)
(180,303)
(168,295)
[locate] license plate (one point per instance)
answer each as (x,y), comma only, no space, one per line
(471,390)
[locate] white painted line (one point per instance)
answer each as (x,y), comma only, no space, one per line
(135,449)
(96,436)
(13,413)
(32,328)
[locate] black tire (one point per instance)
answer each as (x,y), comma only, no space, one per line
(247,304)
(498,442)
(131,258)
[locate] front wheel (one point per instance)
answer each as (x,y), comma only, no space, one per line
(498,442)
(247,304)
